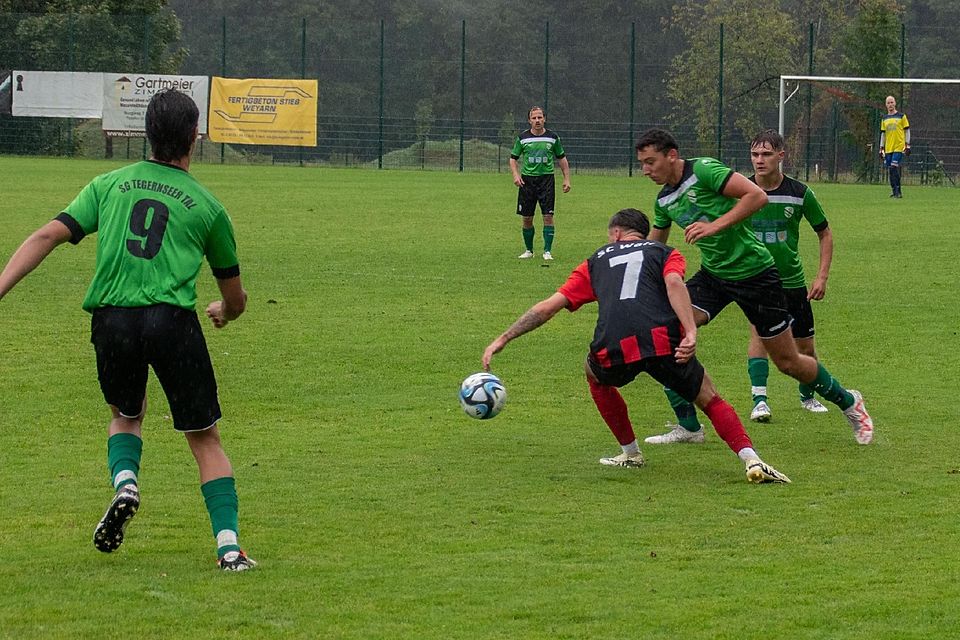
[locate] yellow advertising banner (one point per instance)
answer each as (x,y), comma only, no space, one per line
(263,111)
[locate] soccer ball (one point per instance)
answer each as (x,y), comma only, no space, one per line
(482,395)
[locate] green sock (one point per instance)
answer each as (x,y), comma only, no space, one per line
(806,392)
(759,370)
(220,496)
(123,458)
(828,387)
(528,237)
(548,232)
(686,412)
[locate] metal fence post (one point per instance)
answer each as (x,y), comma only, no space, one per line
(903,60)
(223,67)
(809,102)
(145,65)
(633,83)
(720,99)
(546,69)
(303,68)
(463,82)
(70,65)
(380,134)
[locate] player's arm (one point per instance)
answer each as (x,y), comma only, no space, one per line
(906,140)
(564,165)
(660,229)
(659,235)
(232,303)
(680,302)
(883,139)
(818,288)
(515,170)
(534,317)
(750,199)
(679,298)
(32,252)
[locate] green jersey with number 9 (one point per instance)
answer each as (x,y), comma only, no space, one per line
(154,224)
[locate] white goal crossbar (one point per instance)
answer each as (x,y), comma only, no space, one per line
(783,80)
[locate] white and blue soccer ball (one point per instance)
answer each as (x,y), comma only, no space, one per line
(482,395)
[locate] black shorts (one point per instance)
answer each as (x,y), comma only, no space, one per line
(536,189)
(801,311)
(168,338)
(685,378)
(761,298)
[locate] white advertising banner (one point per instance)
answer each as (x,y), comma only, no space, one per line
(57,94)
(126,95)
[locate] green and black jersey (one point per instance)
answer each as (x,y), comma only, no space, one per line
(734,253)
(154,224)
(777,226)
(537,151)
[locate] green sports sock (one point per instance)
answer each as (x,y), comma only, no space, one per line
(123,458)
(528,237)
(548,233)
(759,370)
(686,412)
(223,506)
(828,387)
(806,392)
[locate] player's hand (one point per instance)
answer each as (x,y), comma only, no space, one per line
(906,151)
(518,180)
(494,347)
(566,186)
(215,313)
(882,155)
(687,348)
(698,230)
(818,289)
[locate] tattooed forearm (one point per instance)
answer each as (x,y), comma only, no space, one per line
(525,323)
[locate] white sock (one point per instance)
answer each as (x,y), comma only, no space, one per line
(633,447)
(747,454)
(124,477)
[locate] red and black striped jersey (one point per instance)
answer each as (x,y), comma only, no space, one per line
(635,319)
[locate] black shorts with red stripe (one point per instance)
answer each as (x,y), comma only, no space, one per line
(685,378)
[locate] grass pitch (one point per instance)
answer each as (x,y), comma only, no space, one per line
(378,510)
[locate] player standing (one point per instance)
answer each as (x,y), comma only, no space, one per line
(531,162)
(155,224)
(894,143)
(777,226)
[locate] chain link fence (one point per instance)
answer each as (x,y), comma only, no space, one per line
(451,95)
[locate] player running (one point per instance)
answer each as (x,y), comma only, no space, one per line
(777,226)
(154,226)
(711,203)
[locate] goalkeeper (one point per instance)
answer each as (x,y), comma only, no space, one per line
(894,143)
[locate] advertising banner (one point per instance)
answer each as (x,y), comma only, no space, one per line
(126,95)
(263,112)
(57,94)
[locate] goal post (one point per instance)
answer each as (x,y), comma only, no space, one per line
(784,79)
(839,126)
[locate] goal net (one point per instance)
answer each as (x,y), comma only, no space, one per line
(832,127)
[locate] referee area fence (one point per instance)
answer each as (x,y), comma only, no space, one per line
(451,96)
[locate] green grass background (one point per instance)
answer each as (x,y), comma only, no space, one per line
(378,510)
